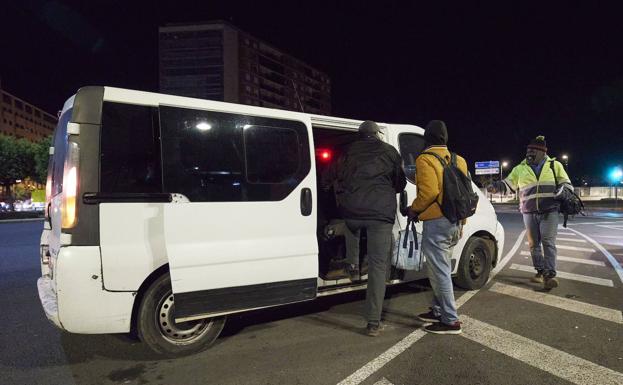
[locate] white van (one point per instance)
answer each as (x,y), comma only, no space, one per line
(165,214)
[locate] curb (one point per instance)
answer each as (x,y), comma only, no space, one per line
(21,220)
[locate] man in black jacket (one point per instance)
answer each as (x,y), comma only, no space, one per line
(367,177)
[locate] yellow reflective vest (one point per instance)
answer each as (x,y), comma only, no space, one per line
(536,194)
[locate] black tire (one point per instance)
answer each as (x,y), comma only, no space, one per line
(157,328)
(475,264)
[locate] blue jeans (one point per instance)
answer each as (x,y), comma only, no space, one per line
(438,239)
(542,229)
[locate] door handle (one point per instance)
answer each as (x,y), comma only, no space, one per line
(306,202)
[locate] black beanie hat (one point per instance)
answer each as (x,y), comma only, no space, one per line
(368,128)
(436,133)
(538,143)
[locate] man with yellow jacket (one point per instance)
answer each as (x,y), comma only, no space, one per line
(439,235)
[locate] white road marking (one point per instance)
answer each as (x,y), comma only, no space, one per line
(608,236)
(576,260)
(613,261)
(571,276)
(571,240)
(383,381)
(595,223)
(563,365)
(575,248)
(570,234)
(587,309)
(371,367)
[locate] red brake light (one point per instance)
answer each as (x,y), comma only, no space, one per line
(324,154)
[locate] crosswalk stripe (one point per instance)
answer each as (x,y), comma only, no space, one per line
(569,234)
(571,240)
(571,259)
(575,248)
(571,276)
(587,309)
(561,364)
(615,264)
(607,236)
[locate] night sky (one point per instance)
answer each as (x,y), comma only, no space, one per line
(497,75)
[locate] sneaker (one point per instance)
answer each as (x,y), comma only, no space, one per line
(538,278)
(442,328)
(551,283)
(353,272)
(373,330)
(429,317)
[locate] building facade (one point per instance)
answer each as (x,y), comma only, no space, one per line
(21,119)
(218,61)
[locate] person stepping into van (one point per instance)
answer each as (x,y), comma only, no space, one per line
(538,179)
(368,175)
(439,235)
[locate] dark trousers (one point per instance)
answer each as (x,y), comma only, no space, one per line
(379,245)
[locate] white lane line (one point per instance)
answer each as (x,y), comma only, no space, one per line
(608,236)
(571,240)
(613,261)
(595,223)
(563,365)
(611,227)
(568,234)
(571,276)
(587,309)
(573,248)
(576,260)
(383,381)
(371,367)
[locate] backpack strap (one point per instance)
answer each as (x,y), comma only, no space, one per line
(551,166)
(442,160)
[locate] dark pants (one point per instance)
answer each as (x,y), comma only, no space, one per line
(541,230)
(380,240)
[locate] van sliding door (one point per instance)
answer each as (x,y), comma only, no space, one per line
(242,232)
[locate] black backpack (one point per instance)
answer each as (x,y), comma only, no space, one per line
(459,200)
(570,202)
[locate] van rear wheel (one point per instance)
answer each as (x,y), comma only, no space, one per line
(158,329)
(475,264)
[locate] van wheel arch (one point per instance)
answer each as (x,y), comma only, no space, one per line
(140,293)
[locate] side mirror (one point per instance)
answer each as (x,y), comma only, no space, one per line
(404,203)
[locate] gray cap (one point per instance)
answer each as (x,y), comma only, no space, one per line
(368,128)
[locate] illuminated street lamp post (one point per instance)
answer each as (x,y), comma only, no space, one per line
(615,177)
(565,161)
(503,165)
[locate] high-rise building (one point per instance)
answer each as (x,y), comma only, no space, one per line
(21,119)
(217,61)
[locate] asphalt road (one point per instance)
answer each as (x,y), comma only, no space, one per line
(513,332)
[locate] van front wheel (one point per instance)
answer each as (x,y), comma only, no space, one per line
(475,264)
(158,329)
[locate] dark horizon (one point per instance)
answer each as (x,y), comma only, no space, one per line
(498,76)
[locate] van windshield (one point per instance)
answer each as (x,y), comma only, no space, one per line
(57,161)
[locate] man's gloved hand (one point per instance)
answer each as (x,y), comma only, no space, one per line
(491,188)
(412,215)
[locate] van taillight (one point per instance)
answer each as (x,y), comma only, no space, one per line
(70,186)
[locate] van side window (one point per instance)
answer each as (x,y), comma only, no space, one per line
(411,145)
(220,157)
(130,152)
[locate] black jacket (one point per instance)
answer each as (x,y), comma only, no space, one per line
(366,179)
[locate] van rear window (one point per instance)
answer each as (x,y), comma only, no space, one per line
(130,151)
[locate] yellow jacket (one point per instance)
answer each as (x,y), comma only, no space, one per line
(429,182)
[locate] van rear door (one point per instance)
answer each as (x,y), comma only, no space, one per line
(241,231)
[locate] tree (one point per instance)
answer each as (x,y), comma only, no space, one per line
(41,154)
(16,161)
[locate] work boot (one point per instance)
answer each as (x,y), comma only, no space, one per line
(551,283)
(538,277)
(353,272)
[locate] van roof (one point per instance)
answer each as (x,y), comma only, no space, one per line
(128,96)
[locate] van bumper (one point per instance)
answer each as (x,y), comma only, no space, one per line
(75,300)
(48,300)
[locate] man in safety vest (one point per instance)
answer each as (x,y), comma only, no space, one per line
(535,179)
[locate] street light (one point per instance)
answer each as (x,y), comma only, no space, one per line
(565,160)
(615,177)
(503,165)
